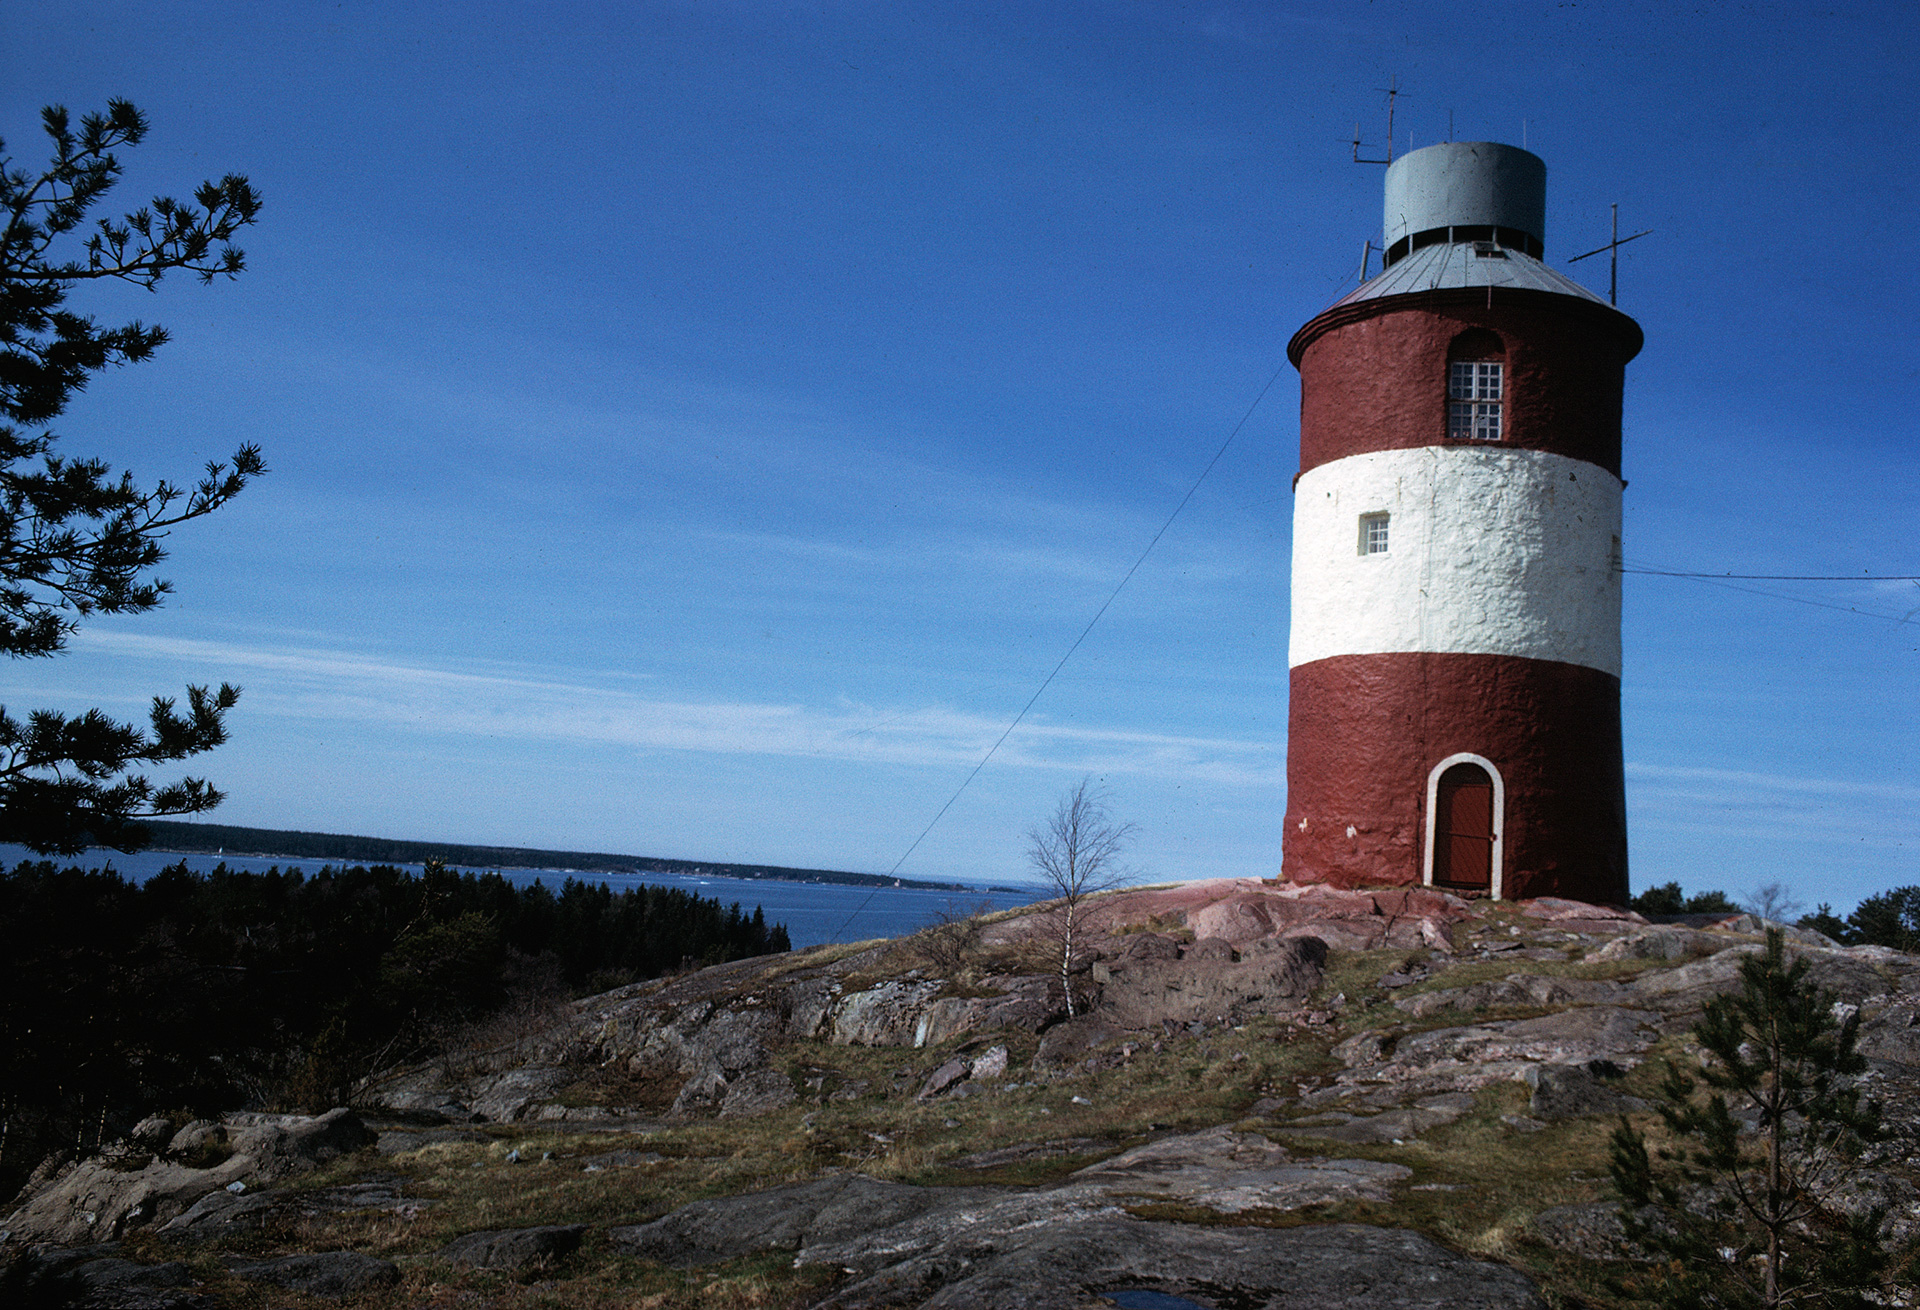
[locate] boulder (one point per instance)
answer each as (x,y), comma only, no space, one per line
(1892,1037)
(198,1138)
(945,1078)
(1688,988)
(1073,1041)
(152,1133)
(1567,1091)
(511,1250)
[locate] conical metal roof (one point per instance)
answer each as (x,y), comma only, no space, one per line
(1449,265)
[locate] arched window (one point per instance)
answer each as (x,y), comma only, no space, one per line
(1476,387)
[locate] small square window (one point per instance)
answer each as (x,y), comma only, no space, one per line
(1373,534)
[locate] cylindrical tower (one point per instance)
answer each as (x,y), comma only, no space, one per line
(1455,649)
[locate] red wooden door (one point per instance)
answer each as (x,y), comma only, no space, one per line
(1463,829)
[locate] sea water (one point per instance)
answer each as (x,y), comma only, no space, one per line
(813,912)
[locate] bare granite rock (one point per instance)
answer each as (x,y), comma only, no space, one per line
(323,1273)
(510,1095)
(1231,1172)
(784,1218)
(1145,988)
(511,1250)
(1515,990)
(756,1092)
(1062,1266)
(1057,1249)
(1400,1124)
(1465,1058)
(98,1199)
(1566,1091)
(221,1214)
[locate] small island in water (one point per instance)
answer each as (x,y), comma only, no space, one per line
(226,839)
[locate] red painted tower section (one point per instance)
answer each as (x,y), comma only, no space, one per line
(1455,650)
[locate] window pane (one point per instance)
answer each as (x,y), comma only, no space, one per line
(1460,381)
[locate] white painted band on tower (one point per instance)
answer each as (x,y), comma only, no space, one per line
(1466,184)
(1486,552)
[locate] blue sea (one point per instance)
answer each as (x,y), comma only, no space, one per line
(813,912)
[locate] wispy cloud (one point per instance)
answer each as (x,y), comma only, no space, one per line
(1733,803)
(501,705)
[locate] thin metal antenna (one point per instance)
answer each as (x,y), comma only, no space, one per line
(1366,257)
(1392,91)
(1613,273)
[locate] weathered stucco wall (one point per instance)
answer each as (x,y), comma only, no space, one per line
(1490,551)
(1373,376)
(1364,732)
(1491,626)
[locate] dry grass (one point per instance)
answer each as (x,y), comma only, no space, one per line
(1476,1184)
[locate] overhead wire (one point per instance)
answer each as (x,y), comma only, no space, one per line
(1048,680)
(1784,577)
(1728,581)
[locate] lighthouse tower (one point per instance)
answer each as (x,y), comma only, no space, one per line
(1455,648)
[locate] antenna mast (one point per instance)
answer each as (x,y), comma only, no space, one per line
(1392,91)
(1613,246)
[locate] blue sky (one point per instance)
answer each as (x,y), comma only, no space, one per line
(697,429)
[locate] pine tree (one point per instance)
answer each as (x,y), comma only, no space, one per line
(74,539)
(1741,1198)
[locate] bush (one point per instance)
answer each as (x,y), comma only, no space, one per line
(1670,899)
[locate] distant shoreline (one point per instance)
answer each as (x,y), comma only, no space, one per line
(285,844)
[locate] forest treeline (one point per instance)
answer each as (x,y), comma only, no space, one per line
(278,989)
(1890,918)
(210,838)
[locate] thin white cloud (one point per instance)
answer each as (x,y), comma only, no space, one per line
(1732,782)
(345,686)
(1740,805)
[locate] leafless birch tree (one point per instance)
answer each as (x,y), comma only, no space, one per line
(1077,852)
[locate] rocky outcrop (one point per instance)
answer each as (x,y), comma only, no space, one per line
(1154,980)
(102,1198)
(1062,1246)
(222,1214)
(1061,1266)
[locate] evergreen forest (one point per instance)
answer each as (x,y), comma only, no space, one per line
(207,991)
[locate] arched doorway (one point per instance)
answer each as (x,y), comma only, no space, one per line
(1466,802)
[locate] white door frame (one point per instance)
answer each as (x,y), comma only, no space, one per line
(1494,885)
